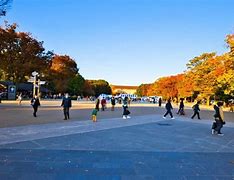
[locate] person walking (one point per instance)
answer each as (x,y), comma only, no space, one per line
(35,103)
(219,119)
(103,104)
(196,110)
(97,103)
(126,112)
(20,98)
(66,104)
(169,109)
(94,115)
(113,103)
(181,107)
(160,102)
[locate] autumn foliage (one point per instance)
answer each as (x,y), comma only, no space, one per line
(21,54)
(208,76)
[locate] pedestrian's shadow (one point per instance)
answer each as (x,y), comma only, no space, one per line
(163,124)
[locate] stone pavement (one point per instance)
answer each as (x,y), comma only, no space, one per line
(143,147)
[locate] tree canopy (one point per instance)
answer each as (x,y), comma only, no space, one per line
(207,76)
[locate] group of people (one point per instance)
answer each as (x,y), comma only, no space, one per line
(67,104)
(126,111)
(218,116)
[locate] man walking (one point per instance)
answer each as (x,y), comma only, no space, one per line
(66,103)
(168,108)
(196,110)
(35,103)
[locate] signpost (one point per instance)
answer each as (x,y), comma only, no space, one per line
(36,83)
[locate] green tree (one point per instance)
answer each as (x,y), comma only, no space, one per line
(100,87)
(88,89)
(76,85)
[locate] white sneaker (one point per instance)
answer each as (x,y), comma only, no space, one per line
(220,134)
(124,117)
(164,117)
(173,118)
(212,131)
(128,117)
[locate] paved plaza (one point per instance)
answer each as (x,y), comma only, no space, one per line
(143,147)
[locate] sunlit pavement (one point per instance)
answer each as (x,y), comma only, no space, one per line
(143,147)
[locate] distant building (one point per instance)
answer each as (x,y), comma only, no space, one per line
(119,89)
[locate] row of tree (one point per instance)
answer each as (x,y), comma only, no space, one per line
(21,54)
(208,76)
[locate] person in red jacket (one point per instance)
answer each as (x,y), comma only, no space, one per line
(103,103)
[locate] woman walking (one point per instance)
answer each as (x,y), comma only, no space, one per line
(126,112)
(219,119)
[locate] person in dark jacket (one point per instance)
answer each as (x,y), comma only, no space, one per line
(66,103)
(160,102)
(35,103)
(97,103)
(168,108)
(219,119)
(196,110)
(113,103)
(181,107)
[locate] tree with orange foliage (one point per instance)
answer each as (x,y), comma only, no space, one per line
(63,70)
(144,90)
(167,86)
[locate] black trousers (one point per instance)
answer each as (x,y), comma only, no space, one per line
(181,111)
(168,112)
(97,107)
(125,111)
(196,113)
(66,113)
(35,108)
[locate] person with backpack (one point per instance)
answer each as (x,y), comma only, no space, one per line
(219,119)
(169,109)
(196,110)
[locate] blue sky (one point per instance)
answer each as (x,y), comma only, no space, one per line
(127,42)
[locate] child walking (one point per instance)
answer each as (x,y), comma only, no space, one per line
(94,115)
